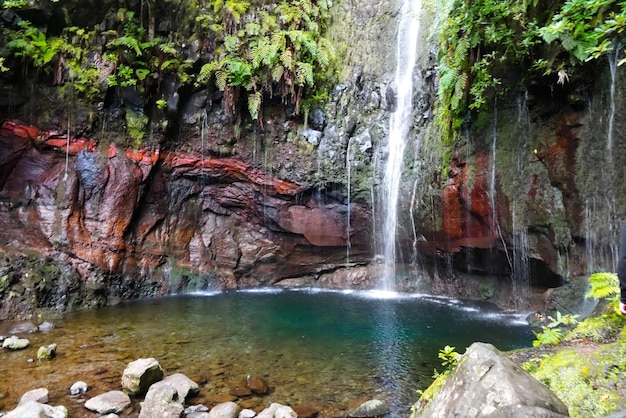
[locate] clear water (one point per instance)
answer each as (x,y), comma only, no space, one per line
(331,350)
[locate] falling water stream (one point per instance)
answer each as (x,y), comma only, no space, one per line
(399,126)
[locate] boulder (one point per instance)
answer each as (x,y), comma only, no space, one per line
(33,409)
(47,352)
(114,401)
(25,327)
(15,343)
(183,385)
(224,410)
(371,408)
(78,388)
(197,411)
(487,384)
(140,374)
(277,410)
(38,395)
(162,401)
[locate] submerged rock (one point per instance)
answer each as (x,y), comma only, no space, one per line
(140,374)
(487,384)
(370,409)
(114,401)
(257,384)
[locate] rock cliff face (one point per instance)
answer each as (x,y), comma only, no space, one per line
(532,195)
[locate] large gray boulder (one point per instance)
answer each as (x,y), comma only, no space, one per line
(34,409)
(183,385)
(140,374)
(487,384)
(162,401)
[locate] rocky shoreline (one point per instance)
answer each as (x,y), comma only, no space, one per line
(145,390)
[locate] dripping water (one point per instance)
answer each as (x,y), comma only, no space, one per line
(399,126)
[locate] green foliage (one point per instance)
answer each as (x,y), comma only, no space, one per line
(280,52)
(586,29)
(554,332)
(481,39)
(589,384)
(449,358)
(604,286)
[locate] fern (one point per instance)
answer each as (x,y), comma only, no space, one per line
(254,104)
(603,285)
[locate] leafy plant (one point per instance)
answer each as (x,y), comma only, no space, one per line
(554,332)
(604,286)
(278,52)
(449,358)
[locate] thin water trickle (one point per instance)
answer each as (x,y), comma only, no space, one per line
(613,70)
(349,159)
(399,126)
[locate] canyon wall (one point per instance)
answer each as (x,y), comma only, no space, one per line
(529,198)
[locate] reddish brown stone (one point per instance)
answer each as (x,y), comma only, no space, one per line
(257,384)
(306,411)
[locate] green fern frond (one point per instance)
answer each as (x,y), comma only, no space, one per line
(254,104)
(221,78)
(603,285)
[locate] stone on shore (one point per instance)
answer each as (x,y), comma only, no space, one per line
(38,395)
(224,410)
(114,401)
(485,383)
(277,410)
(33,409)
(162,401)
(140,374)
(15,343)
(246,413)
(183,385)
(370,409)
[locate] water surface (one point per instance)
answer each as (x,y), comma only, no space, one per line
(332,350)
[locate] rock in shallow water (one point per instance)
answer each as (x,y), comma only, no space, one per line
(15,343)
(370,409)
(78,388)
(140,374)
(114,401)
(38,395)
(47,352)
(224,410)
(37,410)
(162,401)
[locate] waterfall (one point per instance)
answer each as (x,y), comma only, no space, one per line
(349,159)
(399,126)
(613,69)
